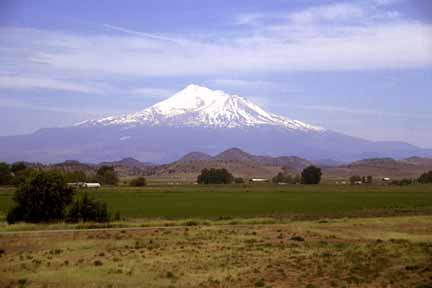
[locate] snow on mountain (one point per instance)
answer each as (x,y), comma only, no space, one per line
(197,106)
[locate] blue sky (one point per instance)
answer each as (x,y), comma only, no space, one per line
(359,67)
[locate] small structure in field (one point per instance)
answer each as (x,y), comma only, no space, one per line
(92,185)
(259,180)
(84,185)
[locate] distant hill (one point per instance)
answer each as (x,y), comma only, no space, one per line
(127,162)
(194,156)
(382,167)
(235,160)
(246,165)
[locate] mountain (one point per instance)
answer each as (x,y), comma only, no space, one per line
(197,106)
(195,119)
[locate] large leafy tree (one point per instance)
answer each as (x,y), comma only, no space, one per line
(85,209)
(311,175)
(215,176)
(41,197)
(107,175)
(425,178)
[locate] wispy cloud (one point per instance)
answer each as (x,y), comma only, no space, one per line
(358,40)
(152,92)
(137,33)
(20,82)
(370,112)
(333,12)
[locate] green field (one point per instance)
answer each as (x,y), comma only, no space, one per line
(213,201)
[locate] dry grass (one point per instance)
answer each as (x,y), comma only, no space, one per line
(372,252)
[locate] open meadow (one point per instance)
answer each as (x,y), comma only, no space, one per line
(258,235)
(357,252)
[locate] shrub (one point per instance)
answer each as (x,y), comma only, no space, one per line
(85,209)
(215,176)
(138,182)
(425,178)
(311,175)
(238,180)
(41,197)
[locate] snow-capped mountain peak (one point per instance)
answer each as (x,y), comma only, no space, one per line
(197,106)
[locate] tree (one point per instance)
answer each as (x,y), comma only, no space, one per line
(5,174)
(85,209)
(20,172)
(75,176)
(138,182)
(311,175)
(297,179)
(215,176)
(283,178)
(425,178)
(354,179)
(107,175)
(18,167)
(369,179)
(41,197)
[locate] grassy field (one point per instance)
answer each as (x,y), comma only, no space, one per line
(214,201)
(369,252)
(231,236)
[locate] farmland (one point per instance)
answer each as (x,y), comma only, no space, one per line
(259,200)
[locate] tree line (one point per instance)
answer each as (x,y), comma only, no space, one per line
(310,175)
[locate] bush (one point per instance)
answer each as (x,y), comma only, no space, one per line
(239,180)
(311,175)
(86,209)
(425,178)
(5,174)
(138,182)
(41,197)
(215,176)
(107,175)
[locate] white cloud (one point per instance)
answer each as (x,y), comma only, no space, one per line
(241,83)
(389,42)
(152,92)
(386,2)
(333,12)
(20,82)
(349,110)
